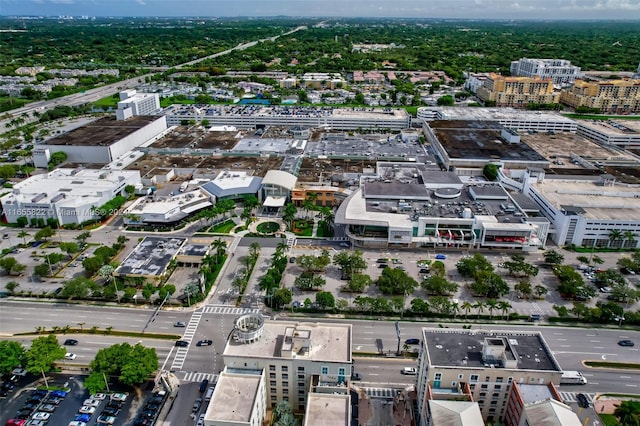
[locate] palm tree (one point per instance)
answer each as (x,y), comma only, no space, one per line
(615,235)
(455,308)
(466,307)
(629,236)
(282,247)
(492,305)
(254,250)
(504,306)
(628,412)
(219,246)
(23,234)
(480,307)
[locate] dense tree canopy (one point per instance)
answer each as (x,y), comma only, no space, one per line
(132,365)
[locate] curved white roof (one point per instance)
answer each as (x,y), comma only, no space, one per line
(278,177)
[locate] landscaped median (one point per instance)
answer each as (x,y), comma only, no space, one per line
(613,365)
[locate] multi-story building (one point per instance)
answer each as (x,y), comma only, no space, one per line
(559,70)
(239,399)
(252,116)
(323,196)
(622,133)
(517,92)
(511,118)
(101,141)
(290,354)
(533,404)
(133,104)
(68,196)
(614,97)
(585,212)
(456,363)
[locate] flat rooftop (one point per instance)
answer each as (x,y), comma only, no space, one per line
(457,348)
(258,166)
(616,127)
(534,393)
(103,132)
(480,140)
(497,114)
(591,200)
(197,137)
(379,145)
(328,342)
(327,409)
(559,147)
(151,256)
(234,397)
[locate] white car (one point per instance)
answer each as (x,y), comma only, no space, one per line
(119,397)
(99,396)
(91,402)
(409,371)
(69,356)
(85,409)
(41,416)
(77,423)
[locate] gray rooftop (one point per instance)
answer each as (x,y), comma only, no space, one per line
(151,257)
(534,393)
(395,190)
(463,348)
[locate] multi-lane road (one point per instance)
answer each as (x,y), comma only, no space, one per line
(570,346)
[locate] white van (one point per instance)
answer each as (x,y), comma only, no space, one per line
(209,393)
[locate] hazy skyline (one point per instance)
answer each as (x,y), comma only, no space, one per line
(469,9)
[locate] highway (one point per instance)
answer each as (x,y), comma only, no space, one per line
(92,95)
(570,345)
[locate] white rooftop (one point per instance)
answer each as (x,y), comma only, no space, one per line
(163,205)
(356,211)
(328,342)
(551,413)
(79,186)
(615,127)
(595,201)
(463,113)
(327,410)
(235,179)
(232,400)
(455,413)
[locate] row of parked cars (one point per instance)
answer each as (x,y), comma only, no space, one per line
(151,409)
(37,409)
(91,405)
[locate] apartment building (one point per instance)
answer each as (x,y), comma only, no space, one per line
(614,97)
(560,71)
(290,353)
(538,405)
(239,399)
(517,92)
(481,366)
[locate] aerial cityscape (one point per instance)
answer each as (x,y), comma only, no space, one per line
(319,213)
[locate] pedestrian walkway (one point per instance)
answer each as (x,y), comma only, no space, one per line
(189,332)
(194,376)
(385,393)
(572,396)
(228,310)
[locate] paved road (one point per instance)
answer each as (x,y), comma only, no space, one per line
(570,345)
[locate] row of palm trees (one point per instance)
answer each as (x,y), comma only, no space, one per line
(491,305)
(618,238)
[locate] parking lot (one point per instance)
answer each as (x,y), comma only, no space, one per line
(68,401)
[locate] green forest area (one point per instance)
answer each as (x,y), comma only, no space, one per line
(451,46)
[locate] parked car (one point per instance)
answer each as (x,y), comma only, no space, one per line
(292,259)
(58,393)
(77,423)
(382,260)
(120,397)
(70,342)
(84,418)
(98,396)
(48,408)
(205,342)
(41,416)
(106,420)
(53,400)
(626,342)
(196,404)
(201,420)
(424,270)
(91,402)
(409,371)
(203,385)
(85,409)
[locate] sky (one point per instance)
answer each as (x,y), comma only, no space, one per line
(474,9)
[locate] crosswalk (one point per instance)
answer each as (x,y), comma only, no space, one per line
(386,393)
(194,376)
(189,332)
(229,310)
(572,396)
